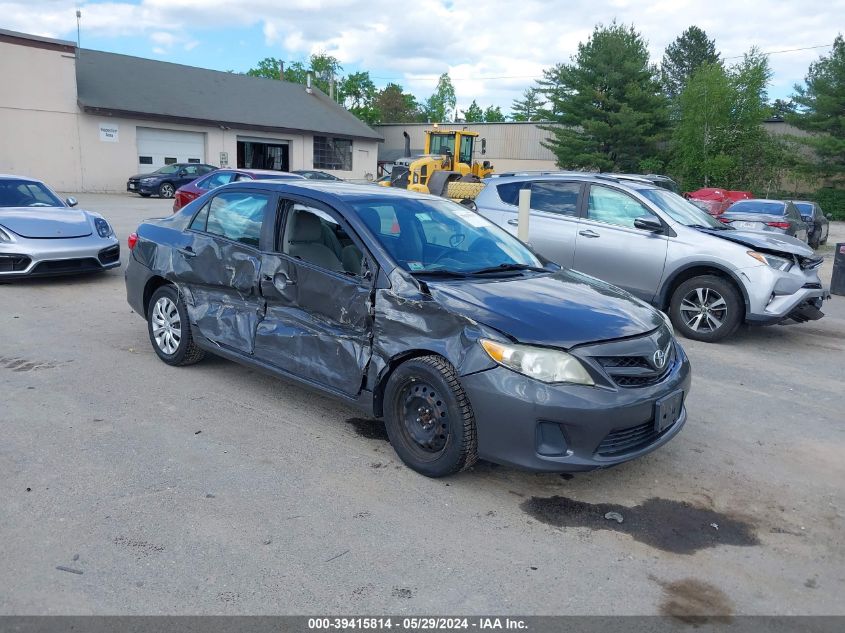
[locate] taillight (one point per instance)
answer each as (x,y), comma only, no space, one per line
(778,225)
(724,220)
(132,240)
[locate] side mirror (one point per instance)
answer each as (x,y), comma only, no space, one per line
(648,223)
(71,201)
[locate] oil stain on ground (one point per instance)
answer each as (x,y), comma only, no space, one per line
(695,602)
(371,429)
(672,526)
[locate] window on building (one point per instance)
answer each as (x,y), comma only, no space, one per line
(169,161)
(145,160)
(193,160)
(332,153)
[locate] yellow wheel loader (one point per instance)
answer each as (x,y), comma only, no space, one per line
(445,169)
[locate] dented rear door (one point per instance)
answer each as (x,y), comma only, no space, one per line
(317,323)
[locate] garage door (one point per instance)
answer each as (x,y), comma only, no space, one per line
(157,147)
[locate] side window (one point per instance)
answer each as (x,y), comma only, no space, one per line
(200,219)
(315,236)
(237,216)
(555,197)
(216,180)
(614,207)
(240,177)
(191,170)
(509,191)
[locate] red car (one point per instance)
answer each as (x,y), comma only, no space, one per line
(196,188)
(716,201)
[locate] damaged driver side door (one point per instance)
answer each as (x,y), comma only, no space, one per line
(317,285)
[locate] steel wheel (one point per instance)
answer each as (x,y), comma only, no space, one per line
(166,190)
(704,310)
(166,325)
(425,421)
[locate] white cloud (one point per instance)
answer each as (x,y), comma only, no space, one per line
(476,42)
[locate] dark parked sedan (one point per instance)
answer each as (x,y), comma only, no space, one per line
(818,226)
(419,311)
(766,215)
(165,181)
(220,177)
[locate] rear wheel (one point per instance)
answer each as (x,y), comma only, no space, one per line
(170,330)
(166,190)
(706,308)
(815,239)
(428,417)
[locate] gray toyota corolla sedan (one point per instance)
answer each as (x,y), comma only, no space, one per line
(41,235)
(417,310)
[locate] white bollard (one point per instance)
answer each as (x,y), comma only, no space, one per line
(524,213)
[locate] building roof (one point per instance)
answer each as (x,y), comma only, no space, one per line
(112,84)
(27,39)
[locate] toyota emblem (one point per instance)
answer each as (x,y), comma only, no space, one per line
(659,358)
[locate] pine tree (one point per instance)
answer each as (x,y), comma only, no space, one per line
(474,113)
(529,108)
(493,114)
(683,57)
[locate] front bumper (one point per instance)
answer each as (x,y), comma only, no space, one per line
(775,296)
(565,428)
(136,186)
(30,257)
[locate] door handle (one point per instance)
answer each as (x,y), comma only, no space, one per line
(280,280)
(513,222)
(588,233)
(188,251)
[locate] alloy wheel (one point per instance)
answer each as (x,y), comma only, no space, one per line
(166,190)
(703,310)
(167,325)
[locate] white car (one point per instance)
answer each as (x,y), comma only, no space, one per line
(41,235)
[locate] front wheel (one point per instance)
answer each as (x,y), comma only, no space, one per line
(169,329)
(166,190)
(428,417)
(706,308)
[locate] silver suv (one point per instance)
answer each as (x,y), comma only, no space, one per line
(707,276)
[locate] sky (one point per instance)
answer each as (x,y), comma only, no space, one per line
(493,50)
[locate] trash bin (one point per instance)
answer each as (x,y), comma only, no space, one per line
(837,281)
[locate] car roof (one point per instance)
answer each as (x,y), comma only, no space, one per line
(333,190)
(14,177)
(631,180)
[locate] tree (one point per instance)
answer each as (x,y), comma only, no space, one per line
(719,139)
(493,114)
(269,68)
(529,108)
(440,106)
(324,69)
(606,105)
(683,57)
(782,108)
(821,111)
(357,93)
(474,113)
(396,106)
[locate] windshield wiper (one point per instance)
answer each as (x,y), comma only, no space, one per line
(440,272)
(508,267)
(721,227)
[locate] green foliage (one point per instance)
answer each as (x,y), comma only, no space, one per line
(821,111)
(474,113)
(718,139)
(393,105)
(683,57)
(357,93)
(832,202)
(269,68)
(493,114)
(607,103)
(440,106)
(530,107)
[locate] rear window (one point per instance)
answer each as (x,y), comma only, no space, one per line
(509,191)
(805,208)
(769,207)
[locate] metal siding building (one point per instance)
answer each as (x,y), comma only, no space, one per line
(510,146)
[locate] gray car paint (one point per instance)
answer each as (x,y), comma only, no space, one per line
(686,248)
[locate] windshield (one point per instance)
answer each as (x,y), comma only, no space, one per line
(680,210)
(758,206)
(27,193)
(439,235)
(167,169)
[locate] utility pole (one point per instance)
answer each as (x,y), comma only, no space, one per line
(78,18)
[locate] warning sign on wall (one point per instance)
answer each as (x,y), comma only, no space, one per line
(109,132)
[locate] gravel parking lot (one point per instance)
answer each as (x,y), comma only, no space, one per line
(214,489)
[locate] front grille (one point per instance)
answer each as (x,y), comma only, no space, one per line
(629,440)
(623,361)
(109,255)
(88,264)
(635,371)
(13,263)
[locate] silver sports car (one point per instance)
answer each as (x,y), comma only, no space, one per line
(41,235)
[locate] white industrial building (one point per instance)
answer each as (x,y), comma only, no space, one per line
(85,120)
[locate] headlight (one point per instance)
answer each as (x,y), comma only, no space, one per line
(4,237)
(668,322)
(546,365)
(103,228)
(778,263)
(148,181)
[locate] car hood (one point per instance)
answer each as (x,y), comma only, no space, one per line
(46,222)
(561,310)
(139,176)
(775,242)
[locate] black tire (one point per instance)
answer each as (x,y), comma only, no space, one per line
(185,352)
(145,195)
(166,190)
(429,386)
(815,240)
(723,304)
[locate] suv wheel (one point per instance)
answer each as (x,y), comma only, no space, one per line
(706,308)
(170,330)
(428,417)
